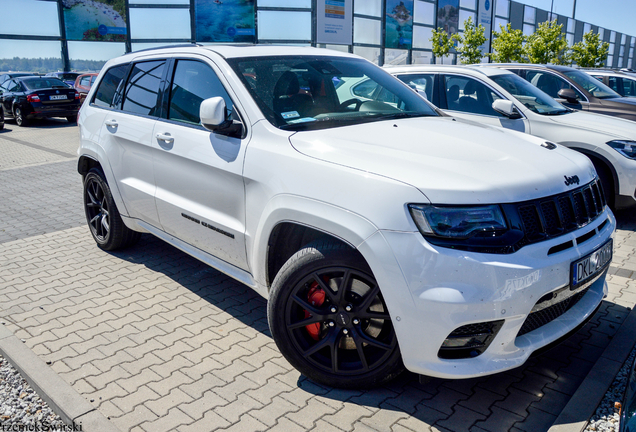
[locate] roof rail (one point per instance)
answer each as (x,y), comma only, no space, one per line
(185,45)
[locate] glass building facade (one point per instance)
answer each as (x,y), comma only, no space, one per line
(383,31)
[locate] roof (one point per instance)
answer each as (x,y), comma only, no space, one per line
(476,68)
(237,51)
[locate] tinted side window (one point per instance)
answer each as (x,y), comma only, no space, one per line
(550,84)
(469,95)
(108,93)
(142,88)
(194,82)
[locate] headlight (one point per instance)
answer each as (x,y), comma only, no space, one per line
(626,148)
(457,222)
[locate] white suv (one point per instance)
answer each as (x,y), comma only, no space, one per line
(501,98)
(384,234)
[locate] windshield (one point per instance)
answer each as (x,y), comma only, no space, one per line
(533,98)
(316,92)
(591,84)
(43,83)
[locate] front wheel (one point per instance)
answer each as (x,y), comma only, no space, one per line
(106,225)
(328,318)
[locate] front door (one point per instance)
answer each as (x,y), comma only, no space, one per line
(200,193)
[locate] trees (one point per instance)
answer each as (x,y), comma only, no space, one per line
(469,43)
(547,44)
(591,51)
(507,45)
(442,42)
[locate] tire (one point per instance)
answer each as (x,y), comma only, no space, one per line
(71,119)
(104,220)
(607,182)
(20,118)
(353,347)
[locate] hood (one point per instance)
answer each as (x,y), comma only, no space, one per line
(451,161)
(613,127)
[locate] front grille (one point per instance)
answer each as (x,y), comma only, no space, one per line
(534,221)
(558,214)
(544,316)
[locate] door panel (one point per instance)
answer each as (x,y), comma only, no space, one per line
(127,135)
(471,99)
(200,194)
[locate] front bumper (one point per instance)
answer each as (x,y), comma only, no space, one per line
(437,290)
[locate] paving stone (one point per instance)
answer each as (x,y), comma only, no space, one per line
(308,415)
(499,420)
(209,422)
(137,397)
(203,404)
(233,411)
(163,404)
(247,423)
(481,401)
(537,420)
(166,423)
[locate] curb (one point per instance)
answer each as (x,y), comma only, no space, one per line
(65,401)
(590,393)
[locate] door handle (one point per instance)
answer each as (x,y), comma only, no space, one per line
(112,123)
(165,137)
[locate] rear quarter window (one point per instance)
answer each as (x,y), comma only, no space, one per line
(109,92)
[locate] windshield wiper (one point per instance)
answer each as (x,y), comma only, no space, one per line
(392,116)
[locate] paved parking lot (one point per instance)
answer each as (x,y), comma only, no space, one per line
(158,341)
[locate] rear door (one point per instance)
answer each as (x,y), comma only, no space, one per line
(126,134)
(199,174)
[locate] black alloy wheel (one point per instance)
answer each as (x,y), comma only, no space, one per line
(329,319)
(107,228)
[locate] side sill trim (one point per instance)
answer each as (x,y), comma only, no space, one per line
(220,265)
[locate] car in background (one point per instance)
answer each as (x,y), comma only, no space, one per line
(575,89)
(501,98)
(7,76)
(1,118)
(68,77)
(83,84)
(26,98)
(623,83)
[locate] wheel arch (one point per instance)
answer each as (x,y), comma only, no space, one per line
(91,157)
(600,160)
(289,222)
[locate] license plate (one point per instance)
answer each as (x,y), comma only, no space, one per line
(591,265)
(58,97)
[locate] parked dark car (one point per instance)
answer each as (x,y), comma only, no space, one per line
(25,98)
(68,77)
(575,89)
(7,76)
(1,118)
(83,84)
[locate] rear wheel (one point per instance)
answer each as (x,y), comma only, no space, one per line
(102,215)
(328,318)
(20,118)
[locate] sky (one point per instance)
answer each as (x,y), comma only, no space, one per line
(616,15)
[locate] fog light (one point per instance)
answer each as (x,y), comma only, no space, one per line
(470,340)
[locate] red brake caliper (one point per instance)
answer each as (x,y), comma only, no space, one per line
(316,297)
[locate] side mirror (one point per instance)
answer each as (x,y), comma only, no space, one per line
(569,95)
(506,108)
(212,114)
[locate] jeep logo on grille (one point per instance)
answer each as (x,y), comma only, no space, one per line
(571,180)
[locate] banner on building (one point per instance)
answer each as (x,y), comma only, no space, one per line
(225,21)
(94,20)
(484,18)
(399,24)
(448,15)
(334,22)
